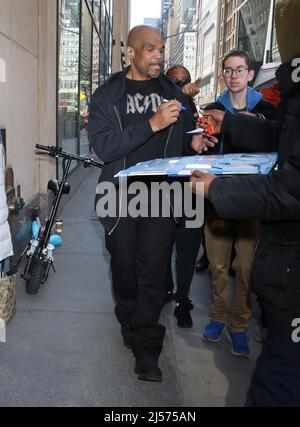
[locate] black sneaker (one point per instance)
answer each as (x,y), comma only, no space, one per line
(202,264)
(147,369)
(182,313)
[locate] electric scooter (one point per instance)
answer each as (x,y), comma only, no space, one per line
(39,251)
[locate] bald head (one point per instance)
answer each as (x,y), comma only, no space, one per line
(145,49)
(139,34)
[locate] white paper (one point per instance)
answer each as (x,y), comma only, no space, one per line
(197,165)
(193,132)
(2,331)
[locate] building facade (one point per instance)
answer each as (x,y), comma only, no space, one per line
(189,52)
(180,35)
(152,22)
(85,38)
(121,27)
(55,54)
(171,23)
(228,33)
(207,49)
(257,33)
(165,6)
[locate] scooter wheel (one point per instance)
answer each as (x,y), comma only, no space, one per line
(37,274)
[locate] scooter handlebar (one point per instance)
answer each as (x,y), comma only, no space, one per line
(58,152)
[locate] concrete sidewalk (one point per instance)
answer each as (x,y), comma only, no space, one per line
(64,347)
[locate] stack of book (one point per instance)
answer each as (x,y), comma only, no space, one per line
(227,164)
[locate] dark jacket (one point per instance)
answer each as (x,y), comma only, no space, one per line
(274,199)
(112,141)
(255,104)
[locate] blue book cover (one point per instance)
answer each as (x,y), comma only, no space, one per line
(227,164)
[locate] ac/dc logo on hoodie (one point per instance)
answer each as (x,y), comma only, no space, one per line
(143,104)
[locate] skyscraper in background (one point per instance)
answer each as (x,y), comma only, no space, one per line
(181,34)
(171,24)
(200,33)
(207,49)
(256,34)
(228,33)
(153,22)
(165,5)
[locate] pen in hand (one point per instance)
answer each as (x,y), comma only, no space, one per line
(182,107)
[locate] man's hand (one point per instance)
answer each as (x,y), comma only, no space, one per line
(214,118)
(204,177)
(201,143)
(167,114)
(190,89)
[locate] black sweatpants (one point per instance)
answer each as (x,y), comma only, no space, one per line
(276,379)
(140,252)
(187,244)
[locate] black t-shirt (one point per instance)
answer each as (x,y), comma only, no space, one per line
(143,100)
(239,110)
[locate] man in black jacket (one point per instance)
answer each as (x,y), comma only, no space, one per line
(275,200)
(131,120)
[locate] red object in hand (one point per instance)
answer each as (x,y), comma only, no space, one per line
(208,130)
(206,127)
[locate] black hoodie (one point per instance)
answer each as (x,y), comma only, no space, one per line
(112,141)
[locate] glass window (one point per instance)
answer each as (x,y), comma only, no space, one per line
(85,54)
(86,77)
(68,71)
(275,50)
(97,12)
(96,60)
(102,65)
(253,27)
(102,21)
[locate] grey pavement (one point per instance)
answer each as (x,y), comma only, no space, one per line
(64,347)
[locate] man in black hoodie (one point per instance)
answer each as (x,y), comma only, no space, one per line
(131,120)
(275,200)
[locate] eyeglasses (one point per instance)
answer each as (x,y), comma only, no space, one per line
(240,71)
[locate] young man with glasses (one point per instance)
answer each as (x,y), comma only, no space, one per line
(239,96)
(222,236)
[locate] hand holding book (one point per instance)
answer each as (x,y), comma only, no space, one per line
(201,177)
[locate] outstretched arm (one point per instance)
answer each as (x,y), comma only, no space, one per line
(273,197)
(246,133)
(250,133)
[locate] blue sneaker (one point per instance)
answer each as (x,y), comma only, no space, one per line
(212,332)
(239,341)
